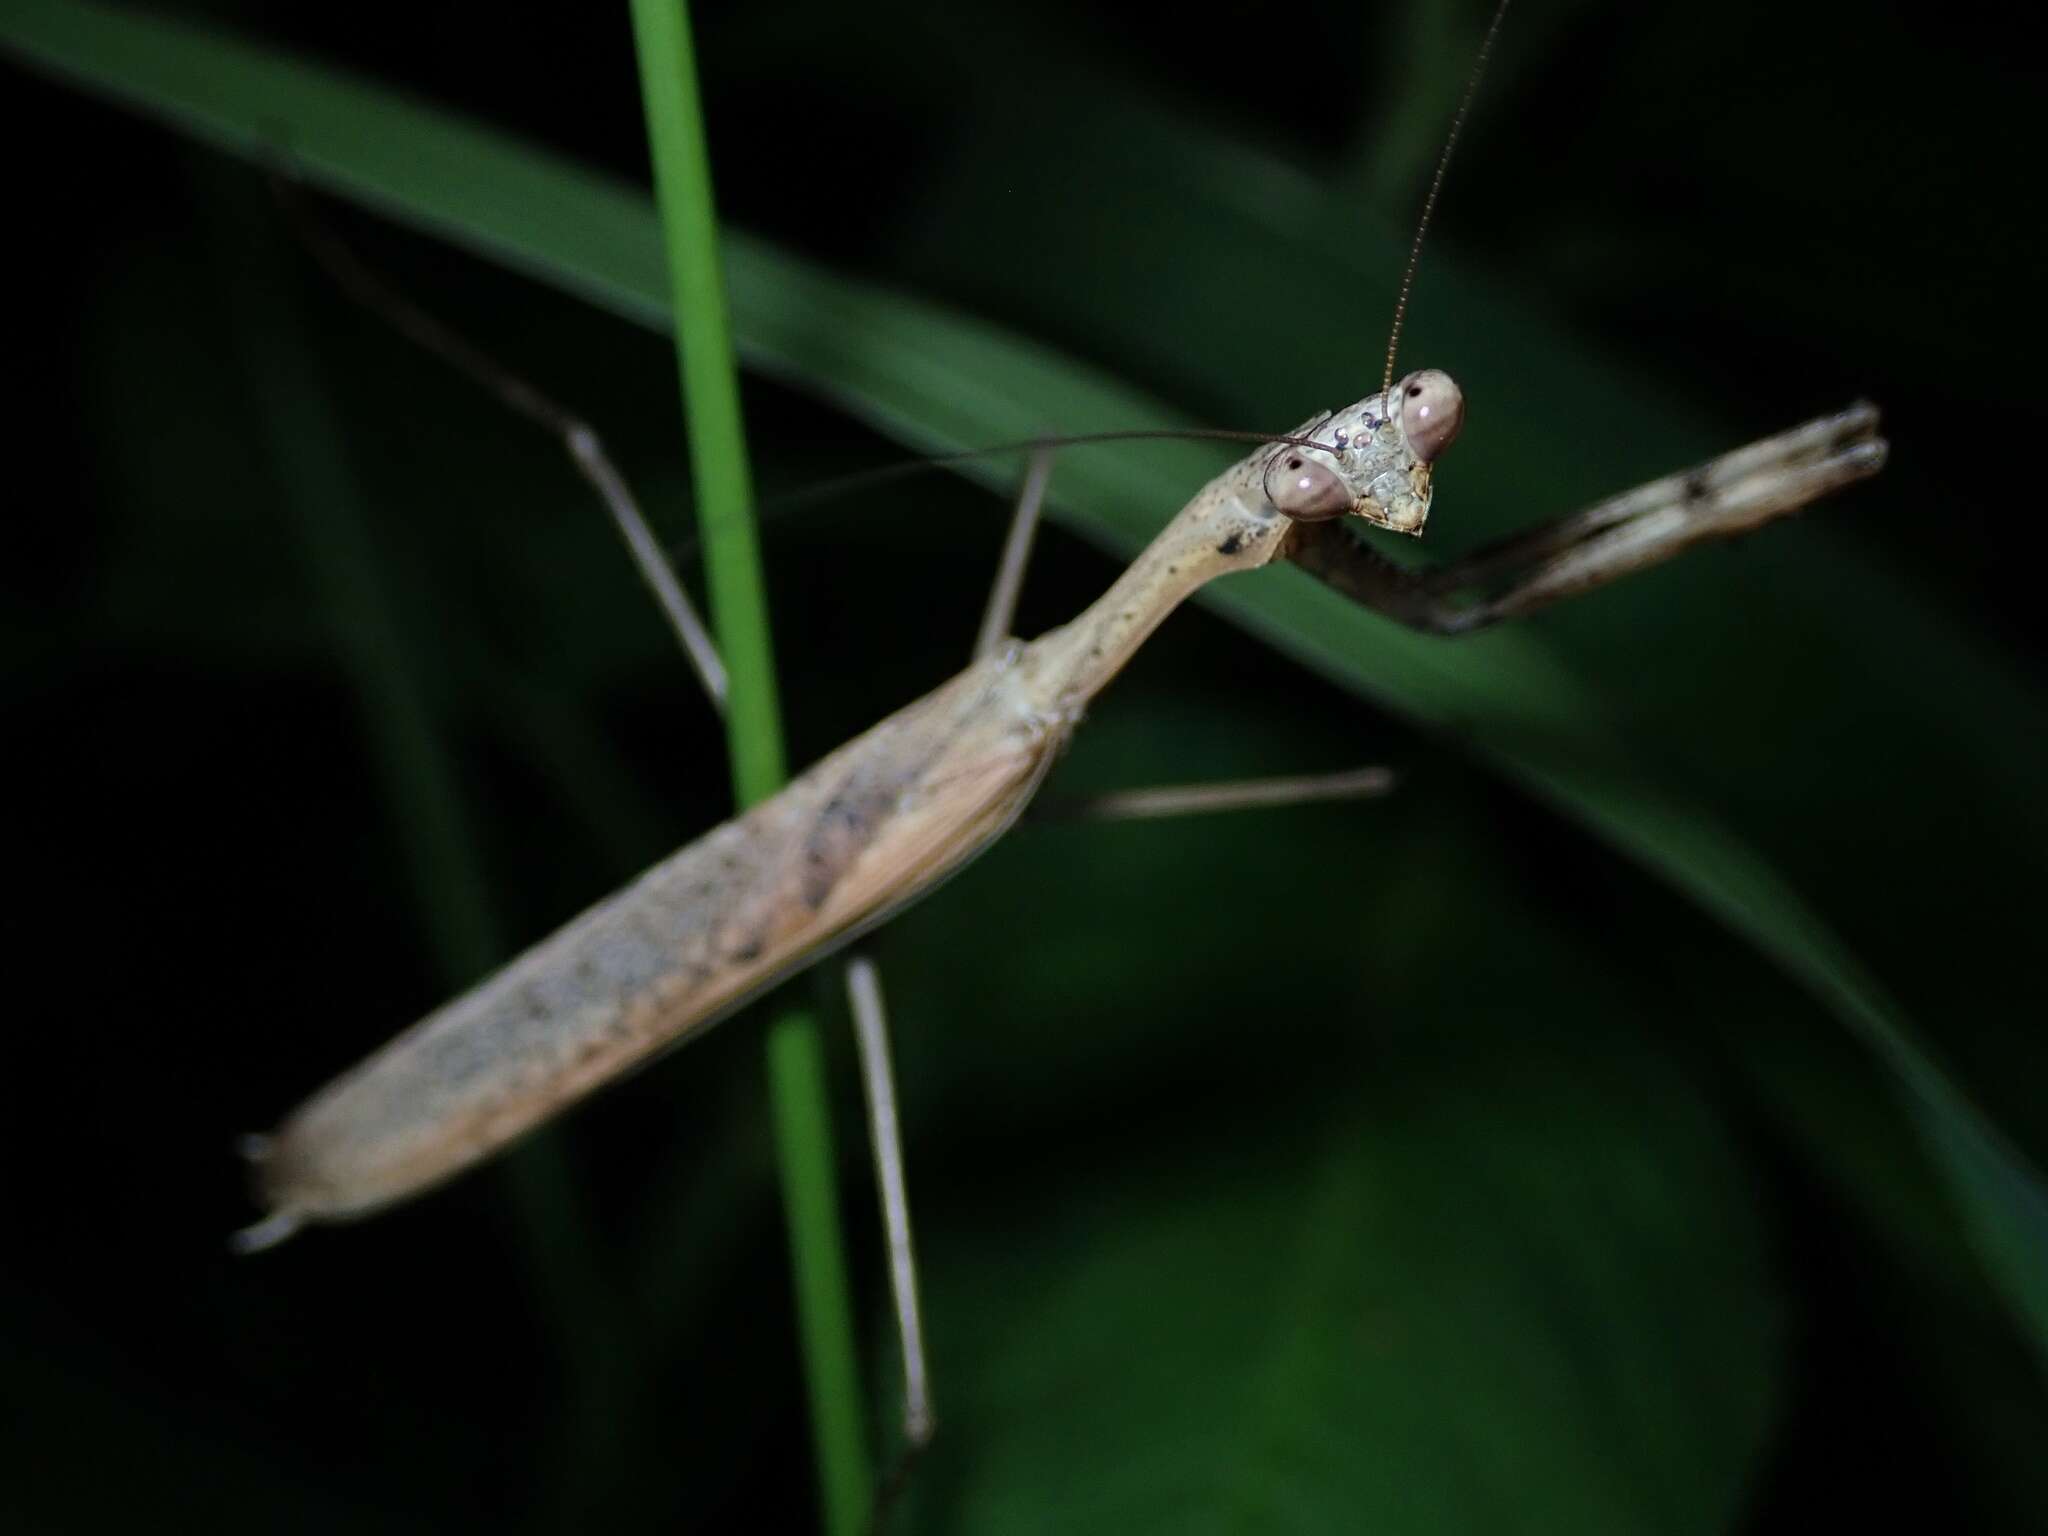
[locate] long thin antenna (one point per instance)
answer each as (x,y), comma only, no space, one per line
(1436,185)
(904,469)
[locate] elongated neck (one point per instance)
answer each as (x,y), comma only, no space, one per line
(1229,526)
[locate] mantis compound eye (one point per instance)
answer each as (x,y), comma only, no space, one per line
(1306,491)
(1432,411)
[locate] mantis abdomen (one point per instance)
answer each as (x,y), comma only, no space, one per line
(866,829)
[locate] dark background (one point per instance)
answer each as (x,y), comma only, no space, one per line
(1620,1229)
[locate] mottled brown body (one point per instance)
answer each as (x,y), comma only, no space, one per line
(871,825)
(886,817)
(860,834)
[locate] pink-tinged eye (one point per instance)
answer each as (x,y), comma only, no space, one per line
(1432,411)
(1305,490)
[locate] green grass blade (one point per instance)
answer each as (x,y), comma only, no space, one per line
(937,381)
(798,1095)
(711,394)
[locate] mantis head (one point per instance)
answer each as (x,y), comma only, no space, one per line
(1373,458)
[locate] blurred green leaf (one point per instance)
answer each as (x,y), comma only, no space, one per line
(1441,1303)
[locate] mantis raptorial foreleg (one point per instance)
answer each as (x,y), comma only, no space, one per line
(1725,497)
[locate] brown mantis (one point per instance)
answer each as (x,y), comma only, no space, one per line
(876,824)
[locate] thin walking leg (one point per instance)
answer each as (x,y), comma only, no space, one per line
(871,1035)
(878,1078)
(578,438)
(877,1070)
(1733,494)
(1231,795)
(1002,597)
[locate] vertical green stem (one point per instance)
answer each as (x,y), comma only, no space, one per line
(796,1075)
(810,1200)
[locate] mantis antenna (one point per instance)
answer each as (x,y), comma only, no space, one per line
(1436,185)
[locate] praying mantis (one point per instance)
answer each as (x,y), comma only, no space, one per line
(877,824)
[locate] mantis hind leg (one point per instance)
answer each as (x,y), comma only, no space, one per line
(878,1083)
